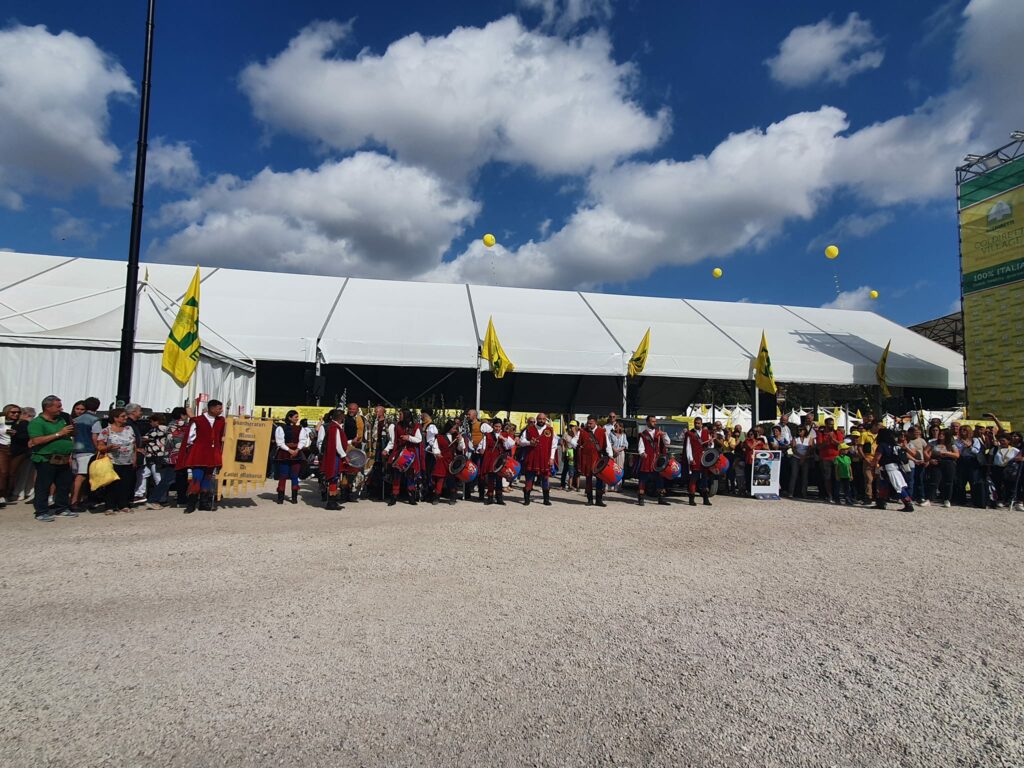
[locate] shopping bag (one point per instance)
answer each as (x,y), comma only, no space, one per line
(101,473)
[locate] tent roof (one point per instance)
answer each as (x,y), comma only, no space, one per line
(287,317)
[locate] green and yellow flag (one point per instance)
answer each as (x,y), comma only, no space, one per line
(181,351)
(492,352)
(639,358)
(880,371)
(763,375)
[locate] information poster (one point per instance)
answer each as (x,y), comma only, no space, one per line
(246,450)
(766,474)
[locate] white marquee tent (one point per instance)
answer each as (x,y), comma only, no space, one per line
(357,323)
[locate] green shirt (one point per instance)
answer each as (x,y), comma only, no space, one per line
(40,427)
(843,469)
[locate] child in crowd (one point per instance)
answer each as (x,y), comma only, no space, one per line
(844,474)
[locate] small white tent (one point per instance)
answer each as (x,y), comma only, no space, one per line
(40,356)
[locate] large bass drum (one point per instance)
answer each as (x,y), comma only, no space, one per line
(709,458)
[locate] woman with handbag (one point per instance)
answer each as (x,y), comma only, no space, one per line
(117,441)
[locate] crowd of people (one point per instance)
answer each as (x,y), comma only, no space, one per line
(163,460)
(45,458)
(959,465)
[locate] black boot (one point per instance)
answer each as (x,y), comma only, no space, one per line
(412,498)
(547,496)
(434,500)
(488,501)
(391,501)
(707,500)
(600,499)
(640,500)
(190,503)
(452,497)
(908,507)
(692,502)
(662,500)
(590,498)
(332,503)
(295,495)
(526,498)
(280,497)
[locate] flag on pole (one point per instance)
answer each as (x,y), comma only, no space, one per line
(763,375)
(639,358)
(859,417)
(492,352)
(181,350)
(880,371)
(836,414)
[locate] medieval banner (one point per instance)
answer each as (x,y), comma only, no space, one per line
(246,449)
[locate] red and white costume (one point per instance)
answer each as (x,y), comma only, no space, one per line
(652,444)
(540,442)
(592,446)
(205,444)
(444,448)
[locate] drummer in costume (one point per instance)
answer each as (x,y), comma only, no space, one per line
(539,446)
(290,438)
(444,448)
(652,449)
(335,444)
(355,431)
(429,431)
(473,430)
(698,440)
(405,453)
(496,446)
(593,444)
(204,456)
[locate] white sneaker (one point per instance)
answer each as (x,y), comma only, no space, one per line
(1019,506)
(1000,505)
(3,501)
(946,505)
(925,503)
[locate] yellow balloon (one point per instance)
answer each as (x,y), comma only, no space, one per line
(831,252)
(873,294)
(489,240)
(717,272)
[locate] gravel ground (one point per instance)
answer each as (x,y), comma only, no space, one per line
(751,633)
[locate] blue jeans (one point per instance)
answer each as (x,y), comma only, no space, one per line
(917,482)
(163,477)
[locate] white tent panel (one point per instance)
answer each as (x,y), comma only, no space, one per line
(269,315)
(382,322)
(29,373)
(62,293)
(683,344)
(914,361)
(548,331)
(799,351)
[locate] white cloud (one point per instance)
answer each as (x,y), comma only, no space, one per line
(365,215)
(858,298)
(826,52)
(170,165)
(54,93)
(644,215)
(454,103)
(565,15)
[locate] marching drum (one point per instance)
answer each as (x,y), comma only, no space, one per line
(709,458)
(672,471)
(660,463)
(353,462)
(404,461)
(608,472)
(462,469)
(721,466)
(511,469)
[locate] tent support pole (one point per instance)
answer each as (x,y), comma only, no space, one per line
(757,398)
(625,385)
(478,387)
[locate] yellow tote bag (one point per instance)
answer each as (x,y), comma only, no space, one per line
(101,473)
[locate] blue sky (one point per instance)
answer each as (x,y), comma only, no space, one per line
(627,146)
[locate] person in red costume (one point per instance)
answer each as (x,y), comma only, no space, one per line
(204,456)
(405,435)
(495,446)
(335,446)
(698,440)
(444,446)
(593,444)
(539,441)
(652,445)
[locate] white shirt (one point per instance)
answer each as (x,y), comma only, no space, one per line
(414,439)
(1004,456)
(279,438)
(486,429)
(642,449)
(458,444)
(786,435)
